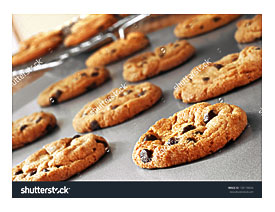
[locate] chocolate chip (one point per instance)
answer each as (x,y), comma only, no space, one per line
(216,19)
(114,106)
(161,54)
(38,120)
(100,28)
(201,27)
(76,136)
(146,155)
(58,93)
(208,116)
(69,143)
(23,127)
(94,125)
(218,66)
(45,170)
(172,141)
(230,142)
(162,51)
(150,137)
(104,143)
(49,128)
(32,173)
(18,172)
(101,142)
(205,79)
(234,59)
(83,74)
(199,132)
(53,100)
(125,93)
(141,93)
(191,139)
(258,48)
(113,51)
(58,166)
(188,128)
(91,87)
(94,74)
(94,149)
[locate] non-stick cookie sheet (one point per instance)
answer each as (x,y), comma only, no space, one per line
(240,160)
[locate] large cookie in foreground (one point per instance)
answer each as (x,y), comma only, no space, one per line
(188,135)
(202,23)
(61,159)
(73,86)
(213,79)
(119,105)
(31,127)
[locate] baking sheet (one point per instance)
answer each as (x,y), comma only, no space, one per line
(240,160)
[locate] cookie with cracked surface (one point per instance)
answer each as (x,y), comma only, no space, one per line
(214,79)
(164,58)
(119,105)
(202,23)
(118,49)
(87,27)
(61,159)
(37,46)
(249,30)
(73,86)
(29,128)
(188,135)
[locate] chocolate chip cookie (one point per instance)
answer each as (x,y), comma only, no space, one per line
(87,27)
(200,24)
(214,79)
(116,107)
(32,127)
(164,58)
(61,159)
(188,135)
(118,49)
(37,46)
(249,30)
(73,86)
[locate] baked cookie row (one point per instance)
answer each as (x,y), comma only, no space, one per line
(188,135)
(248,30)
(42,43)
(205,81)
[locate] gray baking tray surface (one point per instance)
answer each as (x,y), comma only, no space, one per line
(238,161)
